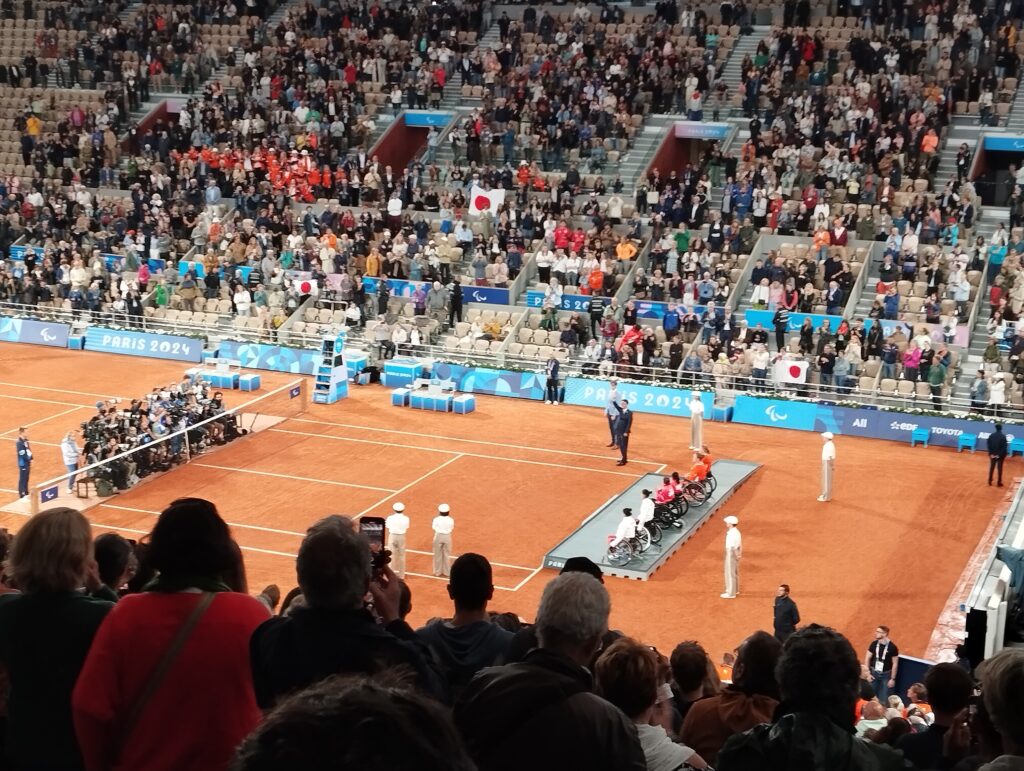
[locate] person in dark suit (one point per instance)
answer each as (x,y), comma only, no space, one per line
(997,448)
(787,615)
(551,389)
(24,451)
(623,427)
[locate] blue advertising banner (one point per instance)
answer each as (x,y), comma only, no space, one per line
(796,320)
(491,295)
(425,118)
(17,251)
(579,303)
(496,382)
(659,400)
(299,361)
(242,271)
(852,421)
(35,332)
(143,344)
(49,494)
(398,287)
(691,129)
(1004,144)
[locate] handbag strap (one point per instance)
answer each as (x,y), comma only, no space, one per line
(163,667)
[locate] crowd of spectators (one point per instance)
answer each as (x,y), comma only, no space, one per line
(331,679)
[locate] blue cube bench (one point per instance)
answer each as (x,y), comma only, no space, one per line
(920,435)
(463,404)
(249,382)
(1016,445)
(967,442)
(223,379)
(76,343)
(400,397)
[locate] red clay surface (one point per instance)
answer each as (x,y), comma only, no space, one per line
(521,476)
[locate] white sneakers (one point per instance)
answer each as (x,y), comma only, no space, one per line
(822,499)
(727,596)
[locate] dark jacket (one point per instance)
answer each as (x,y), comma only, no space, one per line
(787,616)
(540,714)
(803,741)
(624,422)
(996,444)
(462,651)
(291,652)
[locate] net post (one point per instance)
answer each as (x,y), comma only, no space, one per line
(304,394)
(33,500)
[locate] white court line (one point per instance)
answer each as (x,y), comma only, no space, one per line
(33,441)
(7,490)
(274,530)
(462,439)
(60,390)
(449,452)
(42,420)
(45,401)
(291,476)
(526,580)
(403,488)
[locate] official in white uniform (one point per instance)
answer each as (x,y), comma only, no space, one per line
(828,466)
(397,525)
(646,509)
(696,421)
(733,554)
(443,525)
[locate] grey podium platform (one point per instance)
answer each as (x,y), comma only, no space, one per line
(590,539)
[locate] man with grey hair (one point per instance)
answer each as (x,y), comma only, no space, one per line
(1002,690)
(332,631)
(541,713)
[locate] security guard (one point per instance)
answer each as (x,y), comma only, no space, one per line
(443,525)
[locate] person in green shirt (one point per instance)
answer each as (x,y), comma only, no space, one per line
(160,295)
(936,377)
(683,240)
(45,633)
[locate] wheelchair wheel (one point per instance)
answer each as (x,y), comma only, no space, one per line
(643,538)
(695,491)
(680,506)
(620,555)
(711,483)
(654,531)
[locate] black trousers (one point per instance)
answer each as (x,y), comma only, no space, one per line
(552,390)
(611,429)
(623,442)
(994,463)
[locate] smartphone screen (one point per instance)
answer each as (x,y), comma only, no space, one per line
(373,529)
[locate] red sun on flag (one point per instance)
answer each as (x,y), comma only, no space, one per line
(305,287)
(482,202)
(794,371)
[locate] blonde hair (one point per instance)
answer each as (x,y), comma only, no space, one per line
(51,552)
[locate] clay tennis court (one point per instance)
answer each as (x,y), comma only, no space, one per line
(520,476)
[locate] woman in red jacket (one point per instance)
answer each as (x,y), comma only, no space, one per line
(167,684)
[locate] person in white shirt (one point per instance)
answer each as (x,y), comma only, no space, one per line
(70,453)
(646,513)
(828,462)
(243,301)
(696,421)
(443,525)
(626,529)
(397,525)
(733,554)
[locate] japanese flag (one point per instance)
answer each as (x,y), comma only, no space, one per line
(481,200)
(307,286)
(791,371)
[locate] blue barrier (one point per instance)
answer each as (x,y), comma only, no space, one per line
(853,421)
(570,302)
(796,320)
(34,332)
(496,382)
(143,344)
(490,295)
(277,358)
(200,270)
(657,400)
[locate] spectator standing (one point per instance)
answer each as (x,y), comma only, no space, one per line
(733,555)
(443,525)
(45,633)
(813,728)
(470,641)
(611,409)
(397,525)
(786,614)
(175,655)
(541,713)
(828,466)
(997,448)
(949,690)
(750,699)
(881,663)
